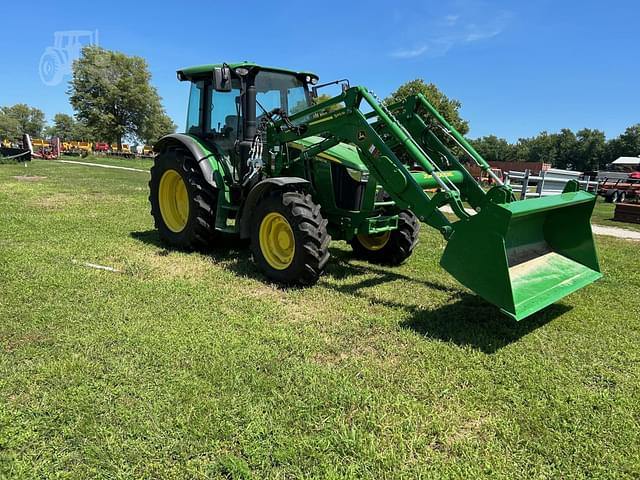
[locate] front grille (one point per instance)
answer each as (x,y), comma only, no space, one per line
(347,191)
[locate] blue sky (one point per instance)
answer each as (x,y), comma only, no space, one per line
(517,67)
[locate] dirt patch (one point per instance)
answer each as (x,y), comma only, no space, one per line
(28,178)
(56,200)
(469,430)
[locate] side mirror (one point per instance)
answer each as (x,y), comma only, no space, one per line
(222,79)
(345,86)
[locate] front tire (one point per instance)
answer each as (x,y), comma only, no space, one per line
(392,247)
(183,204)
(289,239)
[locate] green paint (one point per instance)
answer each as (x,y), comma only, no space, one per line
(520,256)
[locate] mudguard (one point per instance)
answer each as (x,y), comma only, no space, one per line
(201,154)
(258,191)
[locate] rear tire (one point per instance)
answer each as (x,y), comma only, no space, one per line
(183,204)
(622,197)
(289,238)
(390,248)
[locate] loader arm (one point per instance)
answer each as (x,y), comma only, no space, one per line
(521,256)
(350,125)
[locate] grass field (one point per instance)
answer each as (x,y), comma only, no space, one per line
(603,215)
(142,163)
(184,365)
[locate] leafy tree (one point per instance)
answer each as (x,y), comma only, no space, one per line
(19,119)
(448,108)
(111,92)
(629,142)
(63,126)
(494,149)
(566,149)
(9,127)
(81,131)
(591,149)
(67,128)
(159,126)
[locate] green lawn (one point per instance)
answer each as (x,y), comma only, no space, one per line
(142,163)
(186,365)
(603,215)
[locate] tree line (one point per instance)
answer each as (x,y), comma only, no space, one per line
(112,98)
(584,150)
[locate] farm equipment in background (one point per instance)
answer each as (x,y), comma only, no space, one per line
(39,148)
(263,159)
(123,151)
(620,190)
(18,151)
(102,147)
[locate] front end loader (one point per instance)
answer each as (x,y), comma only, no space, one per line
(262,159)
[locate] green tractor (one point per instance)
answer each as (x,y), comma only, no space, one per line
(262,159)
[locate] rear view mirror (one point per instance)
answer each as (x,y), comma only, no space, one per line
(222,79)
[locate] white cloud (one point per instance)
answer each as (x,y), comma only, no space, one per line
(482,35)
(452,30)
(451,19)
(410,53)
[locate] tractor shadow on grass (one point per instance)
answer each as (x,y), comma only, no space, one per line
(470,321)
(466,321)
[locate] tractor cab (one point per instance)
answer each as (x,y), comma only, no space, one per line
(227,103)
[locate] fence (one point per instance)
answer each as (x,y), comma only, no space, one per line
(549,182)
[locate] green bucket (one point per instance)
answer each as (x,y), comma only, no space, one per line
(524,256)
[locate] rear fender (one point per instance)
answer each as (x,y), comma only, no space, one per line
(261,189)
(202,155)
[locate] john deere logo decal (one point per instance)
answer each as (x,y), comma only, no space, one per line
(361,135)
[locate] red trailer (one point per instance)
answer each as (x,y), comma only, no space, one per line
(620,190)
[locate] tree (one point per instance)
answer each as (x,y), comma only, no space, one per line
(158,125)
(494,149)
(591,149)
(566,149)
(9,127)
(629,142)
(112,94)
(448,108)
(19,119)
(63,127)
(67,128)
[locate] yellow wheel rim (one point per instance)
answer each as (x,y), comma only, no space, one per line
(174,201)
(374,242)
(277,242)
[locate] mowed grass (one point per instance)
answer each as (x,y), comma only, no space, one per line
(603,215)
(140,163)
(189,365)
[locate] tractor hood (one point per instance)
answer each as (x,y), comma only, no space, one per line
(343,153)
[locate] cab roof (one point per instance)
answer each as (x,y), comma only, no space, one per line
(196,71)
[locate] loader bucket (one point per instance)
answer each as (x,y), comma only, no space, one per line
(525,255)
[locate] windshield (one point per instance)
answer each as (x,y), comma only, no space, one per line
(281,90)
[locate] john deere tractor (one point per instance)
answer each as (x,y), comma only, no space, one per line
(263,159)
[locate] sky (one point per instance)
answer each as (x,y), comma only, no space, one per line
(518,67)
